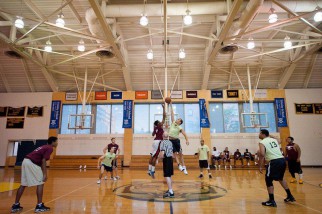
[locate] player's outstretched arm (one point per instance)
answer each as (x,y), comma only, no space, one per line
(172,113)
(185,136)
(164,114)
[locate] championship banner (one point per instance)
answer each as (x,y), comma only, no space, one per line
(281,112)
(15,123)
(16,112)
(204,120)
(55,114)
(36,111)
(127,114)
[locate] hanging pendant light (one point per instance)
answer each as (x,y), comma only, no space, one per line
(48,47)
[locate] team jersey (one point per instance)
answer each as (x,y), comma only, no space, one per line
(175,130)
(158,132)
(247,154)
(237,154)
(292,153)
(42,152)
(272,148)
(226,154)
(109,146)
(109,157)
(203,152)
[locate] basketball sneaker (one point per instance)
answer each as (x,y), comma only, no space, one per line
(167,194)
(152,174)
(300,181)
(114,179)
(98,181)
(41,208)
(105,178)
(149,172)
(293,180)
(200,176)
(289,199)
(16,208)
(269,203)
(185,171)
(181,168)
(117,177)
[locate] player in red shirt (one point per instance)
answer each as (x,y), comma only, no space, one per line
(293,155)
(158,133)
(117,152)
(34,173)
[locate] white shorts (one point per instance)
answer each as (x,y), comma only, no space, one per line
(31,174)
(155,147)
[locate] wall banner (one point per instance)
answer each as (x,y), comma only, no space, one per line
(127,114)
(281,112)
(55,114)
(204,120)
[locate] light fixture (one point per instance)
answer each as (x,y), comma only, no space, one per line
(251,43)
(287,43)
(81,46)
(149,55)
(144,21)
(187,20)
(48,47)
(60,20)
(182,54)
(318,15)
(273,16)
(19,22)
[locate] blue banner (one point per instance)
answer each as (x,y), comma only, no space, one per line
(127,113)
(216,94)
(204,120)
(281,112)
(116,95)
(55,114)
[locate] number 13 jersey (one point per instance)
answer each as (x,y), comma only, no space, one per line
(272,147)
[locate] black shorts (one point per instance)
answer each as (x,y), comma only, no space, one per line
(107,168)
(114,163)
(294,167)
(176,145)
(216,158)
(203,164)
(276,169)
(226,159)
(167,167)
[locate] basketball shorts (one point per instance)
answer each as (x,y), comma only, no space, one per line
(167,166)
(276,169)
(216,158)
(227,159)
(107,168)
(294,167)
(203,164)
(155,148)
(31,174)
(176,145)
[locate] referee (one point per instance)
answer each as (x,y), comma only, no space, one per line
(270,150)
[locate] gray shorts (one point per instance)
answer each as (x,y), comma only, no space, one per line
(31,174)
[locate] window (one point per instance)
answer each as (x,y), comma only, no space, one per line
(88,110)
(146,114)
(270,110)
(67,110)
(103,119)
(231,118)
(216,118)
(117,119)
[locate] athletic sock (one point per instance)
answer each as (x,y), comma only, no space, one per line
(271,197)
(150,167)
(17,203)
(153,168)
(288,192)
(171,191)
(301,176)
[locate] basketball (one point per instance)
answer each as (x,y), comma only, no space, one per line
(167,100)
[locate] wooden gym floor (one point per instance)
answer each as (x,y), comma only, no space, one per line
(230,191)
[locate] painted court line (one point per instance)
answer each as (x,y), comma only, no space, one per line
(265,190)
(61,196)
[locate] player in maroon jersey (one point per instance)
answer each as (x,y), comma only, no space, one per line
(158,137)
(293,155)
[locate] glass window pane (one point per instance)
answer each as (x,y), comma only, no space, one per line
(178,110)
(68,110)
(246,109)
(231,118)
(271,118)
(103,119)
(216,118)
(141,121)
(191,118)
(156,113)
(117,119)
(88,110)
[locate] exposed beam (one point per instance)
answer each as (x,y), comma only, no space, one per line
(310,71)
(28,75)
(74,11)
(4,80)
(286,76)
(224,31)
(110,38)
(295,14)
(231,70)
(5,23)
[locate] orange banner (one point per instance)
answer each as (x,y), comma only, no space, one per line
(100,95)
(141,95)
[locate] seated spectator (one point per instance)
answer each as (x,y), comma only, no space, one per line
(216,157)
(226,157)
(237,156)
(247,156)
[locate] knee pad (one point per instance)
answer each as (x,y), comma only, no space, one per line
(269,181)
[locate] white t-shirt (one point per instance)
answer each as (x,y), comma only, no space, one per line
(216,153)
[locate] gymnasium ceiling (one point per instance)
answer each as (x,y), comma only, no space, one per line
(114,26)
